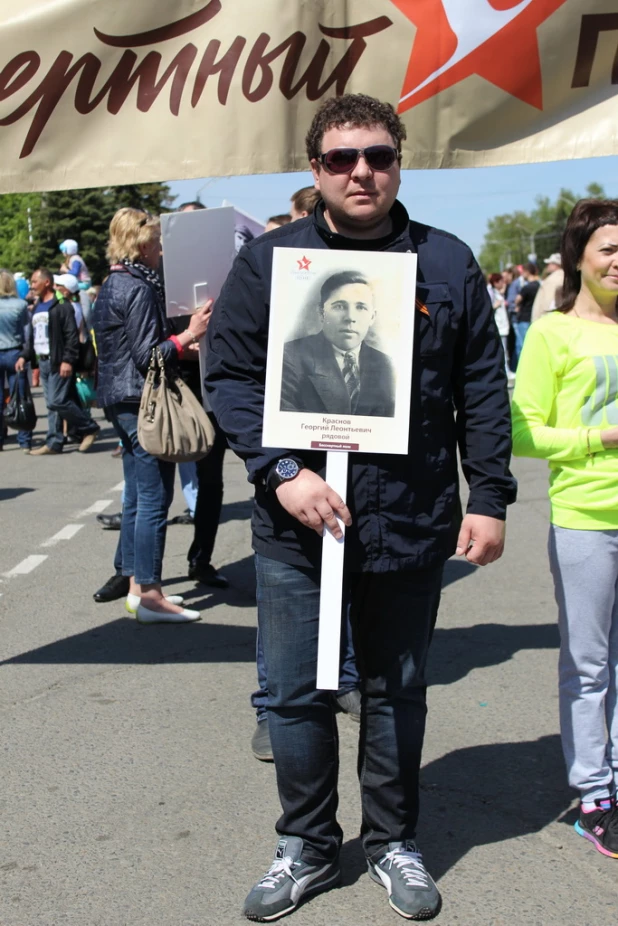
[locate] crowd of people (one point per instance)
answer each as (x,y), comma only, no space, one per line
(402,515)
(518,297)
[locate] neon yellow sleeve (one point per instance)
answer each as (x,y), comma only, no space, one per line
(533,400)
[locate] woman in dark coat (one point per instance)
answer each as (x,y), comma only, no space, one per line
(129,322)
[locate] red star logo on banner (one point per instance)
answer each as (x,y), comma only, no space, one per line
(303,264)
(495,39)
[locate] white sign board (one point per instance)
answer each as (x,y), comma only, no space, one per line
(246,227)
(340,350)
(198,252)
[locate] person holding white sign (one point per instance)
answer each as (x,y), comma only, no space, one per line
(403,517)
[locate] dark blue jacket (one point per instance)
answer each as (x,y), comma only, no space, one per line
(406,508)
(129,320)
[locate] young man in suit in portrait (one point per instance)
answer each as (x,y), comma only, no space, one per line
(335,371)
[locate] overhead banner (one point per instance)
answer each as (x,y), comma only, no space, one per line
(103,92)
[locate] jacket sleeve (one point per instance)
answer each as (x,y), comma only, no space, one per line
(143,327)
(237,340)
(27,351)
(482,403)
(70,337)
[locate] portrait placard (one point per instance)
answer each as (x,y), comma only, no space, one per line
(246,227)
(339,367)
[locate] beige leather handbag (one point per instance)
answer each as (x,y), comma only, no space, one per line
(172,424)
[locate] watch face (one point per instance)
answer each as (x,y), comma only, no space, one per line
(287,469)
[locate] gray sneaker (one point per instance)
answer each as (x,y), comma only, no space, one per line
(412,891)
(260,742)
(288,881)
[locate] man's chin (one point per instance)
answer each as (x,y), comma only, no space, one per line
(348,345)
(366,213)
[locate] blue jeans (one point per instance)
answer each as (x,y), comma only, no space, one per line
(8,359)
(392,617)
(62,404)
(349,679)
(521,329)
(148,494)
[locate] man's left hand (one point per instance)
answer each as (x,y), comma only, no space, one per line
(481,539)
(65,370)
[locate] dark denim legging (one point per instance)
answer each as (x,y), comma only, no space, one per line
(392,617)
(148,494)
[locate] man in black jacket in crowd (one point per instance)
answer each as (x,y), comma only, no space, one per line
(403,515)
(55,341)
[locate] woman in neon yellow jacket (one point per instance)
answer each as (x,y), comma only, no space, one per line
(565,410)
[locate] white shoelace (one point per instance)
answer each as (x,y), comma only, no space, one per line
(279,868)
(411,866)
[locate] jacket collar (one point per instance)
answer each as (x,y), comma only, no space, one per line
(399,218)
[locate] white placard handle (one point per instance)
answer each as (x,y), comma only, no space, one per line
(331,584)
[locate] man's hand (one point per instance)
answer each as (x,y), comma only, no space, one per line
(66,369)
(312,502)
(481,539)
(19,366)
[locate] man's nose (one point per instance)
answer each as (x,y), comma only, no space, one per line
(362,169)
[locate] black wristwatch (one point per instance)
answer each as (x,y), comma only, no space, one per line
(284,470)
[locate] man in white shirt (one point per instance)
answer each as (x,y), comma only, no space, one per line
(549,291)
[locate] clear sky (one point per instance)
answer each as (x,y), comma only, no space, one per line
(460,201)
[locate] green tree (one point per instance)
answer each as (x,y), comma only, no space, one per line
(83,215)
(511,238)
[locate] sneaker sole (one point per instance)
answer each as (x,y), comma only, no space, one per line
(310,892)
(595,842)
(425,913)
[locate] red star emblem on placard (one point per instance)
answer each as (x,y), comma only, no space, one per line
(303,264)
(495,39)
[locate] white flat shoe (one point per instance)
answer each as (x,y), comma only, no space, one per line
(132,602)
(146,616)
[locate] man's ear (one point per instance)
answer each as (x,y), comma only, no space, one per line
(315,170)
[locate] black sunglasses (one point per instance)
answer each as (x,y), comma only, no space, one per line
(344,160)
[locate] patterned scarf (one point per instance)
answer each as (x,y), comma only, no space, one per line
(151,275)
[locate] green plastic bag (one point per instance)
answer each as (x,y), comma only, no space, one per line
(85,390)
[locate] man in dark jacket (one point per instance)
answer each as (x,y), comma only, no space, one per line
(55,341)
(334,371)
(403,520)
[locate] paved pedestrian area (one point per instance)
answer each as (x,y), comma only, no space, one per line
(128,792)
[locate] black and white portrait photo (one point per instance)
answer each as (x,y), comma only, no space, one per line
(339,353)
(335,371)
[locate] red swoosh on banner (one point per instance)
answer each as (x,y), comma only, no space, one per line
(507,57)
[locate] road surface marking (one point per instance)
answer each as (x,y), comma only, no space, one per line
(96,508)
(65,534)
(118,488)
(26,566)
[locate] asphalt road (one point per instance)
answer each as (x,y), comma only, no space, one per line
(128,792)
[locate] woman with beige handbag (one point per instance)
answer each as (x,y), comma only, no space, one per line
(130,323)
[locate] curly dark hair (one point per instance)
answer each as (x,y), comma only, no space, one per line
(356,109)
